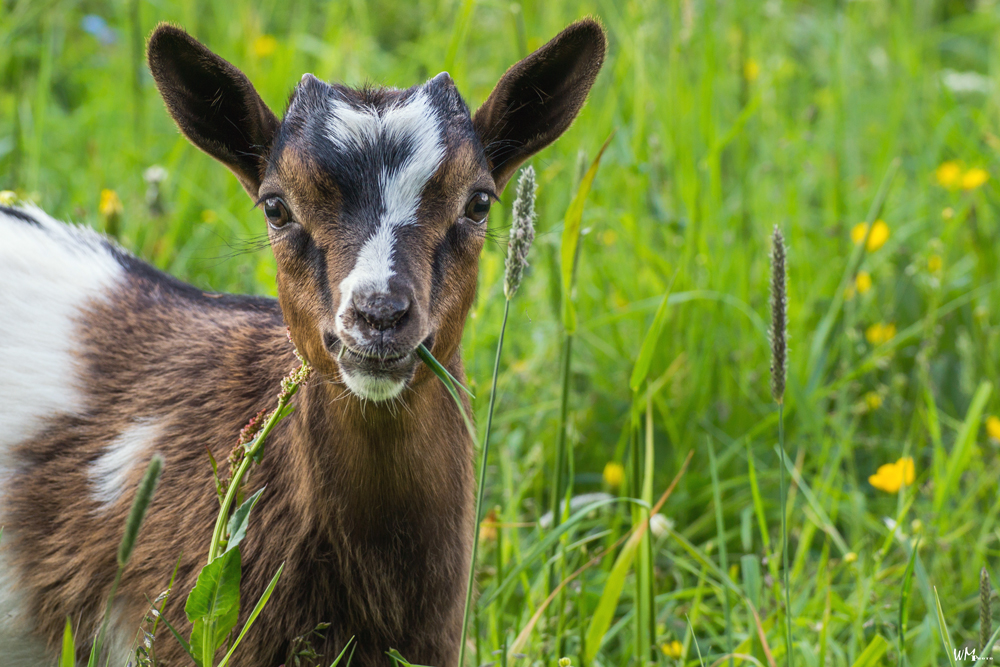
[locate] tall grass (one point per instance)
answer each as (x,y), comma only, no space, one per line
(730,118)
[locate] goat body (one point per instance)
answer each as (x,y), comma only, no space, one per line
(376,204)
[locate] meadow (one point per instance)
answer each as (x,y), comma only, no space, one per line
(726,120)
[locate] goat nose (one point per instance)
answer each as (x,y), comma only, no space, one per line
(382,311)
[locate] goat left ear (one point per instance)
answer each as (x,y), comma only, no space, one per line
(538,98)
(213,104)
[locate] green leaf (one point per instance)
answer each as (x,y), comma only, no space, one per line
(571,240)
(542,546)
(180,640)
(68,656)
(217,590)
(238,522)
(446,380)
(962,451)
(265,596)
(904,595)
(400,660)
(943,629)
(342,652)
(220,627)
(873,652)
(600,621)
(641,368)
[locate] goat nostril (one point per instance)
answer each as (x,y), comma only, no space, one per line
(382,312)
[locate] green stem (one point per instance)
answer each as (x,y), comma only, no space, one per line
(558,487)
(482,487)
(784,536)
(95,653)
(557,476)
(234,484)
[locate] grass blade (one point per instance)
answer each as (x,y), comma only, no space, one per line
(649,342)
(68,656)
(873,652)
(943,629)
(904,598)
(962,449)
(569,248)
(446,379)
(265,596)
(342,652)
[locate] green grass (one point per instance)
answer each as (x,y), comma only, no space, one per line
(705,160)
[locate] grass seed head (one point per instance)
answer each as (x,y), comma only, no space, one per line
(143,497)
(779,316)
(522,232)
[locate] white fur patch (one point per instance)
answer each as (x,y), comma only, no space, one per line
(415,122)
(373,387)
(48,273)
(109,473)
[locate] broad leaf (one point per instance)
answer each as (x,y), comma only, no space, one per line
(238,522)
(217,590)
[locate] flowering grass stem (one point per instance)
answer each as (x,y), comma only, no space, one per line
(252,451)
(482,484)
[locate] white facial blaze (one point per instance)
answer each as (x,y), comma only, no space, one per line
(416,123)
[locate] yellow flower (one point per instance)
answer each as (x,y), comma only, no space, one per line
(264,45)
(891,476)
(614,474)
(488,527)
(948,174)
(934,263)
(873,400)
(850,557)
(878,237)
(948,213)
(993,427)
(751,70)
(973,178)
(672,649)
(609,236)
(7,197)
(879,333)
(110,205)
(863,282)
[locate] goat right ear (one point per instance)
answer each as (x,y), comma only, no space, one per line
(213,104)
(538,98)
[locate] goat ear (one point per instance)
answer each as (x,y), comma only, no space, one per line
(538,98)
(213,103)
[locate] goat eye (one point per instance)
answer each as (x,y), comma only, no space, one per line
(478,207)
(276,212)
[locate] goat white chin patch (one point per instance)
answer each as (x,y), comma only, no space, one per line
(372,387)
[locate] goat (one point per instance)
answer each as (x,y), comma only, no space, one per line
(376,204)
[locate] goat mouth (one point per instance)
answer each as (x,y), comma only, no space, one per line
(372,361)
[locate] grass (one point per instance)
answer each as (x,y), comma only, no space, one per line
(729,118)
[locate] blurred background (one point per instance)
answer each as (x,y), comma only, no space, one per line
(729,118)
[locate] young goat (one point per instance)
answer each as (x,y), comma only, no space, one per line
(376,203)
